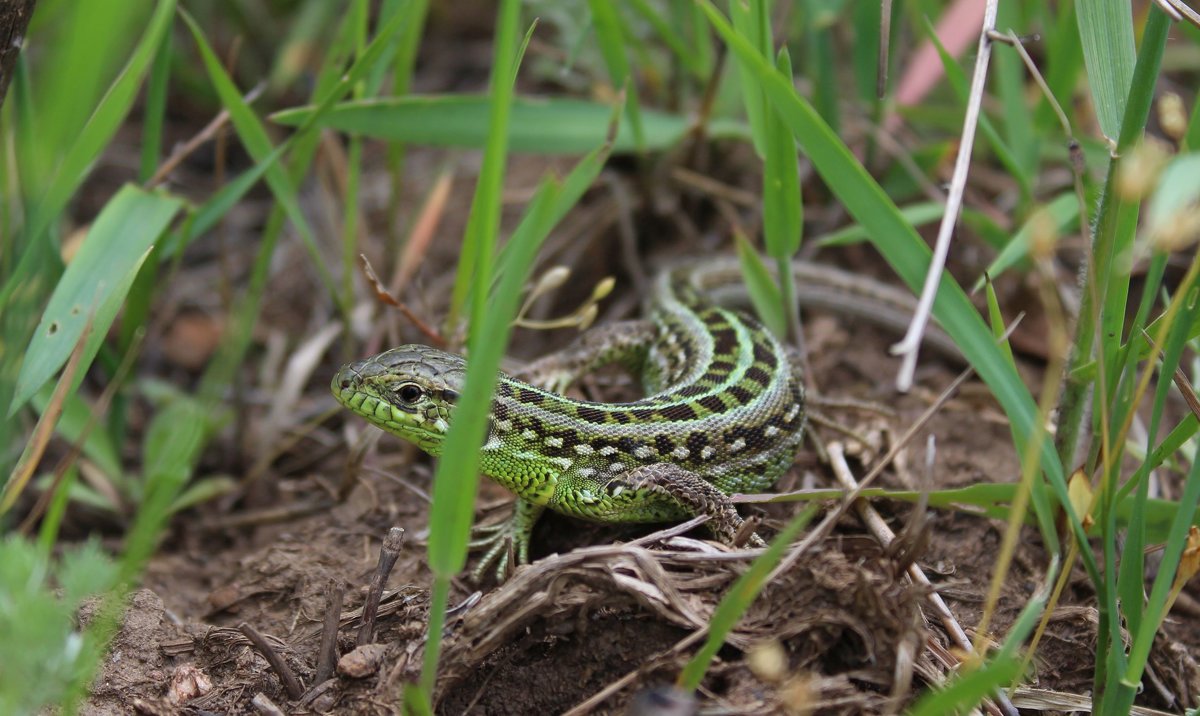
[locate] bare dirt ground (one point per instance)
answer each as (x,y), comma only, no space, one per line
(594,615)
(599,618)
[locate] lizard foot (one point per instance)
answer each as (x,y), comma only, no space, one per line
(507,543)
(696,495)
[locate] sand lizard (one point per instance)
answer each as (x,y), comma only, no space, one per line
(724,412)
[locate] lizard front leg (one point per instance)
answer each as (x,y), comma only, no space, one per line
(507,543)
(692,493)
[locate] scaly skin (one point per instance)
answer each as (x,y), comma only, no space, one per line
(724,413)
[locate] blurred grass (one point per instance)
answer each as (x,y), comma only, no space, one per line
(356,64)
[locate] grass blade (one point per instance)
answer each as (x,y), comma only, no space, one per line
(612,46)
(102,124)
(907,254)
(1106,34)
(739,598)
(455,482)
(538,126)
(115,246)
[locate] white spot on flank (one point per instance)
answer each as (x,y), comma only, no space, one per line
(771,431)
(528,434)
(644,452)
(587,472)
(607,450)
(504,425)
(584,449)
(792,413)
(616,467)
(680,453)
(554,441)
(493,442)
(563,462)
(707,452)
(737,445)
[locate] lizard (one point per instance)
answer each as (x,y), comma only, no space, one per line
(724,410)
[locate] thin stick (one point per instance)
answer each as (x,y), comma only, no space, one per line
(327,655)
(209,131)
(290,683)
(910,346)
(388,553)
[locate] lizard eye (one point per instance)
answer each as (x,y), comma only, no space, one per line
(410,392)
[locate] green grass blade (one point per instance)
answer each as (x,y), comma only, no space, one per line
(908,255)
(913,215)
(1155,608)
(1106,35)
(256,141)
(155,110)
(823,65)
(783,207)
(783,215)
(538,126)
(1063,66)
(764,291)
(94,284)
(455,481)
(101,125)
(1008,71)
(687,57)
(1192,138)
(970,687)
(612,47)
(739,598)
(749,20)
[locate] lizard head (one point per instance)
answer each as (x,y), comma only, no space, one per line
(408,391)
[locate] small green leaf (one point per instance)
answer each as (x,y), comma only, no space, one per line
(764,292)
(740,596)
(94,284)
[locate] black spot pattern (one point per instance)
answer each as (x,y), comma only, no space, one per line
(529,397)
(588,414)
(663,444)
(742,395)
(763,354)
(724,341)
(758,375)
(679,411)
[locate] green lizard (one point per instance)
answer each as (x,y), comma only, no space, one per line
(724,412)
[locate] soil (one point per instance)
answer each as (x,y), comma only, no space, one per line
(847,632)
(598,619)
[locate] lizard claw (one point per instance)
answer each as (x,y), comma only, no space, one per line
(507,542)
